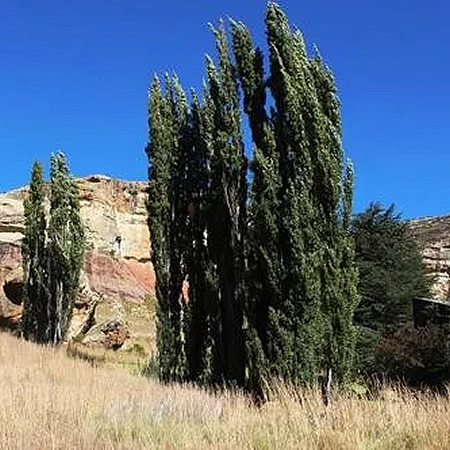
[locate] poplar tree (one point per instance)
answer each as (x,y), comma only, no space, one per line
(35,315)
(52,255)
(202,329)
(272,282)
(65,248)
(296,324)
(265,267)
(227,213)
(334,191)
(162,207)
(302,257)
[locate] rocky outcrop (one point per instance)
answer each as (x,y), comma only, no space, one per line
(433,235)
(114,305)
(117,282)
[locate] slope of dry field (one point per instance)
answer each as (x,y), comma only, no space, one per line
(51,401)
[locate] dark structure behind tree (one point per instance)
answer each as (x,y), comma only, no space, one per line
(429,344)
(53,254)
(427,311)
(272,281)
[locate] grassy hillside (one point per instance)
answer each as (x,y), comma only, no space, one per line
(51,401)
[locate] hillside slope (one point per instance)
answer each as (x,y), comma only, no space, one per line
(51,401)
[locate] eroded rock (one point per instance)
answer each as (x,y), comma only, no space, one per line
(117,273)
(433,235)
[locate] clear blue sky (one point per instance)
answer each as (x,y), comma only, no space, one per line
(74,77)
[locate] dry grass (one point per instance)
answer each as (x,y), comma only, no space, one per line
(51,401)
(134,362)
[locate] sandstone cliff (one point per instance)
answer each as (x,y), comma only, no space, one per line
(433,235)
(115,302)
(114,305)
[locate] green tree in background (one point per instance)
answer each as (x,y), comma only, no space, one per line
(391,275)
(390,267)
(65,248)
(53,255)
(34,324)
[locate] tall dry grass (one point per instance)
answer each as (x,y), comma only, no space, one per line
(51,401)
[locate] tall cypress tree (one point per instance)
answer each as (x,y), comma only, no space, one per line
(297,323)
(53,256)
(162,208)
(272,282)
(265,263)
(202,329)
(34,317)
(65,250)
(227,214)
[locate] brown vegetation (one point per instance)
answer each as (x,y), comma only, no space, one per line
(48,400)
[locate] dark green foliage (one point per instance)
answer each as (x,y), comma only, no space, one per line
(391,275)
(52,256)
(272,280)
(227,213)
(34,324)
(264,256)
(65,248)
(419,357)
(202,329)
(390,267)
(310,312)
(164,218)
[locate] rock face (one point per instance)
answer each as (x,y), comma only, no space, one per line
(114,304)
(114,307)
(433,235)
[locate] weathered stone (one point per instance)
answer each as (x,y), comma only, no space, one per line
(116,333)
(433,235)
(117,273)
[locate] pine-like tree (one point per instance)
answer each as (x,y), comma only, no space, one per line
(264,256)
(201,326)
(52,256)
(65,249)
(227,218)
(391,269)
(168,141)
(272,282)
(391,274)
(34,325)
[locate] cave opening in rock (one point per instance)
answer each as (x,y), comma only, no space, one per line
(14,291)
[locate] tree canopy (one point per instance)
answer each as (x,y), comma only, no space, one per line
(53,251)
(268,258)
